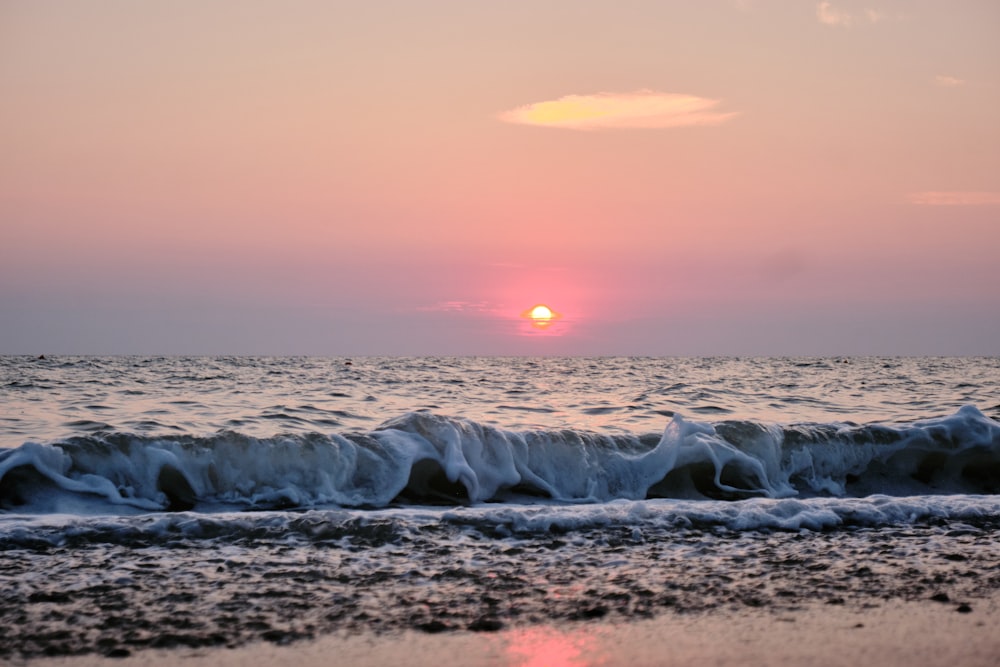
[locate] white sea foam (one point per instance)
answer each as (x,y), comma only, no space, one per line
(423,457)
(645,519)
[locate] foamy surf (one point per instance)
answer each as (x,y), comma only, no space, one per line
(422,458)
(638,520)
(158,503)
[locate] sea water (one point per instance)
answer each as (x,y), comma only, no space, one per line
(164,502)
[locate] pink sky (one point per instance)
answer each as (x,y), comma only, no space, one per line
(674,178)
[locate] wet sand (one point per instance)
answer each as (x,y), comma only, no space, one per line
(921,633)
(450,589)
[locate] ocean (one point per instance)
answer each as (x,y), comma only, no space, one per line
(168,503)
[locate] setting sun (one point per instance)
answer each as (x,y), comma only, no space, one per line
(541,312)
(541,316)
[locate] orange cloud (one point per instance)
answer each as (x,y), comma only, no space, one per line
(875,15)
(829,15)
(641,109)
(955,198)
(948,81)
(832,16)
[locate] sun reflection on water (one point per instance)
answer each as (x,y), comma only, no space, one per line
(548,647)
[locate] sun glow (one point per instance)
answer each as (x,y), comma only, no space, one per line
(541,312)
(541,316)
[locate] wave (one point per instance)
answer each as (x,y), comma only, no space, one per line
(422,458)
(620,522)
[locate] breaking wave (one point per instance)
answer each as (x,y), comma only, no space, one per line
(422,458)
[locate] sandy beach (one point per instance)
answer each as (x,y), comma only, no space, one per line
(921,633)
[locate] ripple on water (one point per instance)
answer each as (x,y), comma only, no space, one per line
(216,393)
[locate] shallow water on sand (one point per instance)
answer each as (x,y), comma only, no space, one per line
(423,570)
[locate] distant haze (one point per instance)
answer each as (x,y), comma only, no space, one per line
(345,178)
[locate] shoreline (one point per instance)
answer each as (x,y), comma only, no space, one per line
(422,590)
(922,633)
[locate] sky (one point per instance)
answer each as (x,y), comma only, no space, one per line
(380,177)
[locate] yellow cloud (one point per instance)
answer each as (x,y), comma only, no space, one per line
(641,109)
(953,198)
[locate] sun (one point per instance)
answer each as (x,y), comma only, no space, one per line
(541,312)
(541,316)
